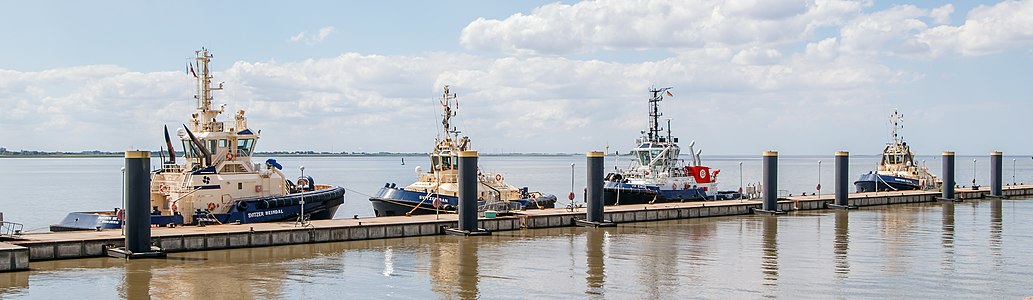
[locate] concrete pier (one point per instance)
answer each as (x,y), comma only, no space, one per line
(770,184)
(82,244)
(948,177)
(842,181)
(594,192)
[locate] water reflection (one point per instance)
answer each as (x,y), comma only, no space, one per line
(947,237)
(996,226)
(13,282)
(468,273)
(841,245)
(596,273)
(769,263)
(136,280)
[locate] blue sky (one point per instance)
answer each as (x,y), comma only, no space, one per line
(799,76)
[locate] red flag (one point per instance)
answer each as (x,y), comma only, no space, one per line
(192,71)
(669,94)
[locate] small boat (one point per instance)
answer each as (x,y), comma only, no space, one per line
(217,182)
(657,173)
(436,191)
(897,170)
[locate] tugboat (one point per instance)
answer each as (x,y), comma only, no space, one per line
(436,191)
(657,173)
(897,170)
(217,181)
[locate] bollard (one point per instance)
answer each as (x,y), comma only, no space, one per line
(594,194)
(137,211)
(948,177)
(467,196)
(996,172)
(770,184)
(842,180)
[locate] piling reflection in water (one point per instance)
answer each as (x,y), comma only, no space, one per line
(13,282)
(947,237)
(996,227)
(769,263)
(595,275)
(841,245)
(468,273)
(136,281)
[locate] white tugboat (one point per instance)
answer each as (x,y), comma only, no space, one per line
(216,182)
(657,173)
(897,169)
(437,190)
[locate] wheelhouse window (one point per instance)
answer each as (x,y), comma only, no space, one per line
(244,146)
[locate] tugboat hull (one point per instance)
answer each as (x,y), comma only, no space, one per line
(618,194)
(392,201)
(876,183)
(319,205)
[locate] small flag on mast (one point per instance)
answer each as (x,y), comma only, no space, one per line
(192,71)
(669,94)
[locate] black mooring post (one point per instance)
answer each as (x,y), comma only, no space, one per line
(468,190)
(842,180)
(594,194)
(468,184)
(770,184)
(138,201)
(948,177)
(138,208)
(996,174)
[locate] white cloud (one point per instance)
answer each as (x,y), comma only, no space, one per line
(941,15)
(652,24)
(386,102)
(987,29)
(313,39)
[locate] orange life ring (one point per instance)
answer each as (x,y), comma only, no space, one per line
(163,188)
(211,206)
(686,186)
(174,207)
(498,177)
(230,156)
(120,214)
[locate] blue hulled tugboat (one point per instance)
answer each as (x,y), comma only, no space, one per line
(436,191)
(217,182)
(897,169)
(657,173)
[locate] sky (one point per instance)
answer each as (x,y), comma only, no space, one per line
(797,76)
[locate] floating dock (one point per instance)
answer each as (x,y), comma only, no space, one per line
(16,254)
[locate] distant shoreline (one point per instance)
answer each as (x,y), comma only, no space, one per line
(262,154)
(93,154)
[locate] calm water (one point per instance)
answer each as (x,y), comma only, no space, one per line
(976,249)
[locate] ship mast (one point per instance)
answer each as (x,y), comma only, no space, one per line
(896,120)
(654,113)
(451,134)
(204,119)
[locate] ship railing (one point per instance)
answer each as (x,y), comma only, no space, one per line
(172,168)
(10,229)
